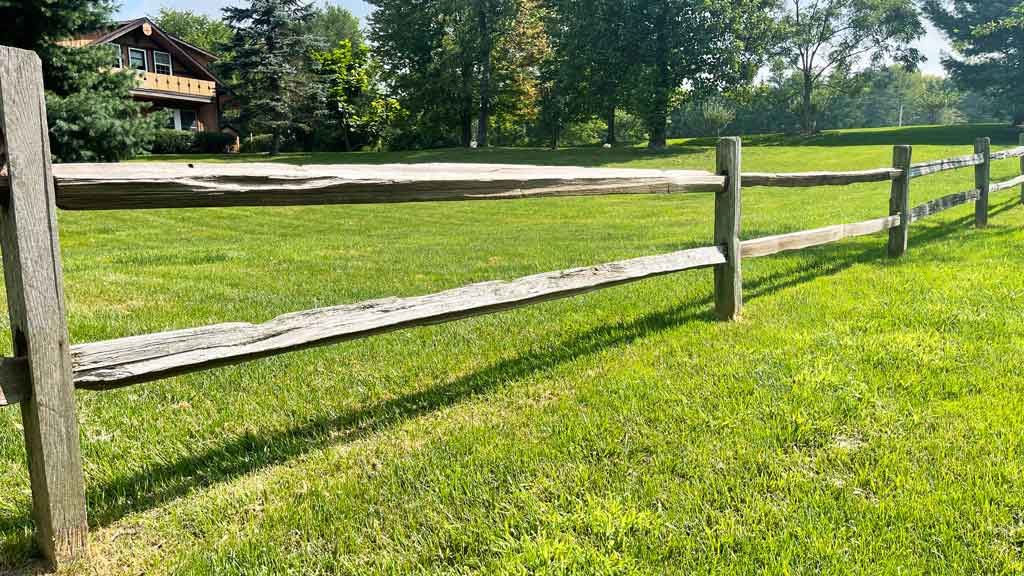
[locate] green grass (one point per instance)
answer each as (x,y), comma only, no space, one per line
(864,417)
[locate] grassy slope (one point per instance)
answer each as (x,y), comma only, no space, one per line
(864,417)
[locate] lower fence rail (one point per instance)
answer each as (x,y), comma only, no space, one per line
(124,361)
(805,239)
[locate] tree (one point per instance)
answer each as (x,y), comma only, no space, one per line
(716,114)
(270,65)
(90,110)
(592,44)
(427,50)
(200,30)
(940,101)
(694,47)
(822,36)
(352,104)
(452,60)
(334,24)
(989,38)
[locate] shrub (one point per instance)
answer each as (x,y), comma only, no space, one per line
(174,142)
(214,142)
(258,143)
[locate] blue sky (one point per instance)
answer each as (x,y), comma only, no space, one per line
(932,45)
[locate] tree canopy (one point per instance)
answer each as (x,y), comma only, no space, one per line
(989,38)
(210,34)
(825,39)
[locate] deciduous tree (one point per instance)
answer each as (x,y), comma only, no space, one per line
(823,36)
(200,30)
(696,48)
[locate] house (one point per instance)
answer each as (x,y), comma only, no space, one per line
(173,74)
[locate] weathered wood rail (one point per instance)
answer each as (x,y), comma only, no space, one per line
(45,369)
(141,186)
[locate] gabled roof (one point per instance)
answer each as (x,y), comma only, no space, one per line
(174,43)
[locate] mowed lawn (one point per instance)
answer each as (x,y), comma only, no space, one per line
(866,416)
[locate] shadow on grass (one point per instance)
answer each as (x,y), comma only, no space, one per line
(156,485)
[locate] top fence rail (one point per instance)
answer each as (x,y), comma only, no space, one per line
(166,185)
(172,185)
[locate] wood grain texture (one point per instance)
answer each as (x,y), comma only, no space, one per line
(769,245)
(899,201)
(982,181)
(728,208)
(810,179)
(35,300)
(13,381)
(933,207)
(1000,186)
(935,166)
(164,185)
(125,361)
(1017,152)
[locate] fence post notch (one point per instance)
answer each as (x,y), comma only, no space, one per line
(982,180)
(35,299)
(899,201)
(728,202)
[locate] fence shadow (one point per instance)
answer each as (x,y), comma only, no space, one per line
(154,486)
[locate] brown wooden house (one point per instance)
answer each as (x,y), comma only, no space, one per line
(173,74)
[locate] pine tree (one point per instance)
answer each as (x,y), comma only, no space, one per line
(269,65)
(989,39)
(90,110)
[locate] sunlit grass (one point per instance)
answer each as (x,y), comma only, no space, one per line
(864,417)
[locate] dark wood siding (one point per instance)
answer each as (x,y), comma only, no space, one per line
(137,39)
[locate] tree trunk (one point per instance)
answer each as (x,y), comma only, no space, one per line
(485,74)
(611,127)
(658,118)
(808,123)
(348,141)
(275,143)
(467,102)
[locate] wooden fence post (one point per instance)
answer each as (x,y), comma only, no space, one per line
(729,276)
(899,201)
(35,299)
(1022,170)
(982,179)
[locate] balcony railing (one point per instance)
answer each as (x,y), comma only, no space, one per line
(177,84)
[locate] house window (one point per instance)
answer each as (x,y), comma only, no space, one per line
(137,59)
(115,53)
(183,119)
(162,63)
(188,119)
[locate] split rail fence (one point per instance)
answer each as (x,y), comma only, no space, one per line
(46,369)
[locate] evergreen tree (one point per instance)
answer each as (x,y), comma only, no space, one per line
(270,67)
(90,110)
(989,38)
